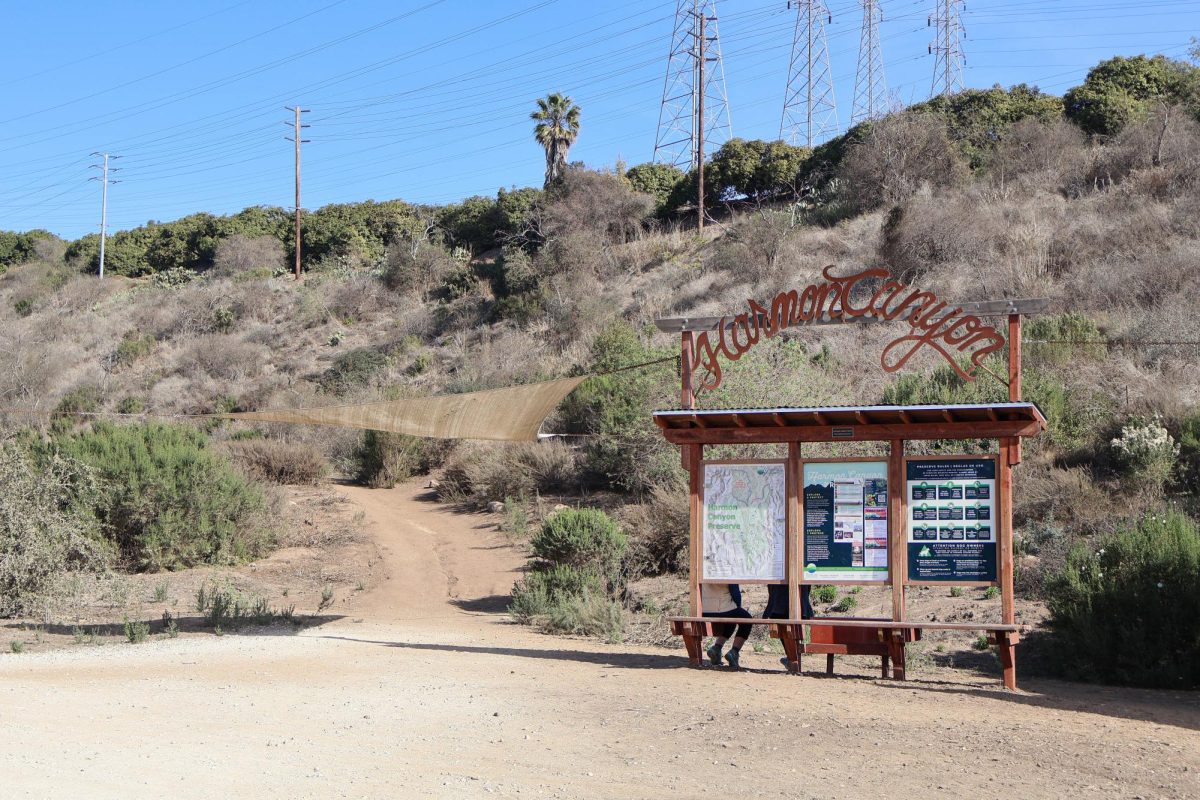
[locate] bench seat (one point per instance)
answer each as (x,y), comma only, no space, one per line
(850,636)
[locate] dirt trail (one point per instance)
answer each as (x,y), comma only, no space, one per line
(424,690)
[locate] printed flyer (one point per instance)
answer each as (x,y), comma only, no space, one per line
(951,519)
(845,521)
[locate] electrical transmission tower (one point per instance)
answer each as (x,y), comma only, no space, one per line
(947,47)
(809,110)
(695,105)
(870,87)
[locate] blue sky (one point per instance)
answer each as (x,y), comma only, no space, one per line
(428,100)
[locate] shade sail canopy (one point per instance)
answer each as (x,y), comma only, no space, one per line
(514,413)
(850,423)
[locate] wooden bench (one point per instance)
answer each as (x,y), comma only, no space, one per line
(851,636)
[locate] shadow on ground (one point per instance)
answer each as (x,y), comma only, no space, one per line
(492,604)
(615,659)
(189,624)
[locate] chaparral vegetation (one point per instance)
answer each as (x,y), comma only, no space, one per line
(1091,199)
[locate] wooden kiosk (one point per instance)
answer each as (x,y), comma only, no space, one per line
(897,521)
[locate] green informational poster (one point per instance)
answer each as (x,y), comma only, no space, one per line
(744,522)
(845,521)
(951,525)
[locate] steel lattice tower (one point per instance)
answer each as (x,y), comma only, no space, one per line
(870,87)
(947,47)
(809,109)
(677,142)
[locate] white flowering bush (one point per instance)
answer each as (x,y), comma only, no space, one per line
(1145,451)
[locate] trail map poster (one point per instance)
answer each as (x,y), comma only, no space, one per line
(744,523)
(951,519)
(846,521)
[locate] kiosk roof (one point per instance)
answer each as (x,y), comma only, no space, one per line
(850,423)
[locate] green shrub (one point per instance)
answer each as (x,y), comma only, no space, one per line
(47,529)
(847,603)
(589,614)
(353,370)
(626,451)
(516,517)
(133,347)
(1047,338)
(549,587)
(1189,444)
(80,400)
(131,405)
(279,462)
(1130,612)
(824,594)
(584,538)
(169,500)
(136,632)
(1073,417)
(384,459)
(481,474)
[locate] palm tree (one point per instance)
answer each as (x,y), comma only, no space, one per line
(557,126)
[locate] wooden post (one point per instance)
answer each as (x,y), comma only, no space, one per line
(687,398)
(897,547)
(700,123)
(1014,357)
(1010,456)
(795,555)
(1014,373)
(695,520)
(1005,559)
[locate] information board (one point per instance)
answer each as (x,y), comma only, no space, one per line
(845,521)
(744,522)
(951,525)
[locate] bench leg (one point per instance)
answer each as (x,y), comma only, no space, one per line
(829,663)
(896,651)
(791,648)
(1008,657)
(693,640)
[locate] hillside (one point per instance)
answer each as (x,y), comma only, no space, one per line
(998,194)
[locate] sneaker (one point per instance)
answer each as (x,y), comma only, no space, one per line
(784,660)
(714,655)
(732,657)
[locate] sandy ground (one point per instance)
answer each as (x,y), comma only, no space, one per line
(420,687)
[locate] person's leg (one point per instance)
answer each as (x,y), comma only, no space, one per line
(743,633)
(721,633)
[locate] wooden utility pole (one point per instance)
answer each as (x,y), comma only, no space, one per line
(296,138)
(700,122)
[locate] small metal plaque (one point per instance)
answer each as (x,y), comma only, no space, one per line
(843,433)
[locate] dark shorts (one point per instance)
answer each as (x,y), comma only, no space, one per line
(727,629)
